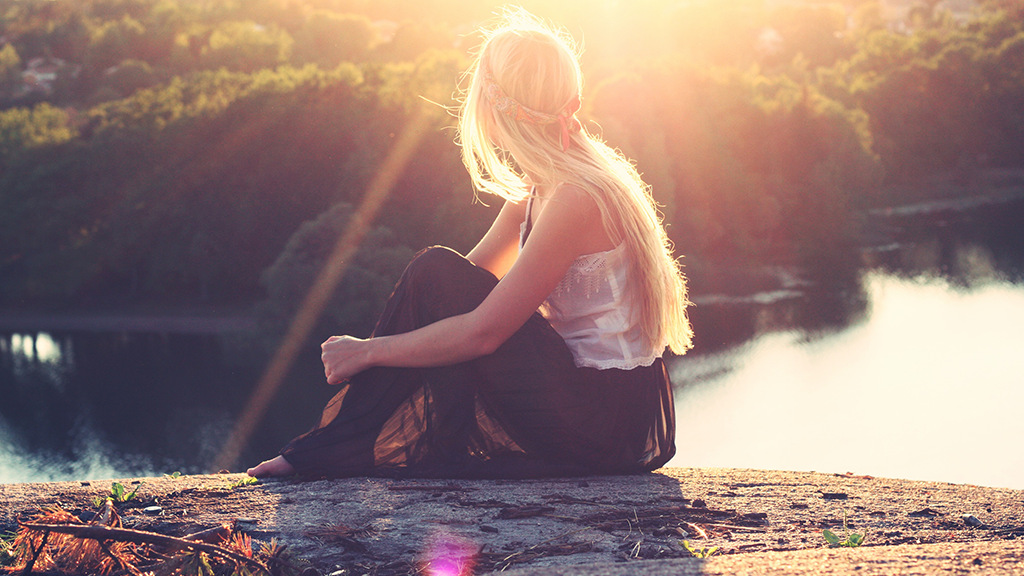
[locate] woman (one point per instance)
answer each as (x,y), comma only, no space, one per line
(539,353)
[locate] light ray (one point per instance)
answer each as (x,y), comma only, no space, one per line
(316,299)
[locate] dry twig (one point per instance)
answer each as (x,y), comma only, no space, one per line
(104,533)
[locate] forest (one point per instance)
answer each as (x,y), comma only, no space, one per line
(206,154)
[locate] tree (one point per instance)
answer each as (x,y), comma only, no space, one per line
(130,76)
(1013,9)
(247,46)
(22,129)
(114,41)
(329,38)
(10,71)
(358,299)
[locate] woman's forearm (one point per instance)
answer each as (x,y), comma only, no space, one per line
(448,341)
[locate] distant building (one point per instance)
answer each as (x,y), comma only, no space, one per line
(42,72)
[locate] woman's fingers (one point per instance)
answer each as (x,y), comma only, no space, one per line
(339,355)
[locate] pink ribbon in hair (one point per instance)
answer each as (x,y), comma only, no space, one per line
(510,107)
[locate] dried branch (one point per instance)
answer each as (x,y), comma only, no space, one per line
(139,537)
(35,553)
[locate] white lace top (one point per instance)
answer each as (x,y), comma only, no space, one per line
(590,309)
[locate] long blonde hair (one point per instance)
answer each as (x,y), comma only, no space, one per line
(538,66)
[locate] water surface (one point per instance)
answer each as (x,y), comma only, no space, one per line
(927,386)
(907,364)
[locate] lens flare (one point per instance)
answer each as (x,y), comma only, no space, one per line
(316,299)
(449,555)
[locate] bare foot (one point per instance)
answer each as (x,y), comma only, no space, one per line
(273,467)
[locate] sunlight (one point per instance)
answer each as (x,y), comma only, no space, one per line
(319,294)
(22,346)
(891,397)
(47,350)
(40,347)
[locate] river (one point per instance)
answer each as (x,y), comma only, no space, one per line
(913,369)
(927,386)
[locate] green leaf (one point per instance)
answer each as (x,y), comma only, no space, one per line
(830,537)
(855,540)
(251,481)
(132,495)
(117,492)
(204,565)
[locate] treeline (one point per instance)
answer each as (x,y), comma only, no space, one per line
(168,152)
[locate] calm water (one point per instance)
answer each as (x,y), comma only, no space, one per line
(913,368)
(101,405)
(927,386)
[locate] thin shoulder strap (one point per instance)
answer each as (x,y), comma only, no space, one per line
(529,214)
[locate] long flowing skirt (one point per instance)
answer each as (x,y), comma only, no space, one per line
(525,411)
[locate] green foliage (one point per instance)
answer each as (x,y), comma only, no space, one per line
(699,552)
(329,38)
(129,77)
(851,540)
(118,494)
(114,41)
(250,481)
(8,553)
(10,71)
(23,129)
(173,475)
(967,95)
(247,46)
(748,166)
(184,143)
(368,280)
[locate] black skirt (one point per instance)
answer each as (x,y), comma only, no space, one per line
(525,411)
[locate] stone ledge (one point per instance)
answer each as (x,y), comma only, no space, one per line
(628,524)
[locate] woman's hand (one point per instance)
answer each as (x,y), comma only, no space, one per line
(343,357)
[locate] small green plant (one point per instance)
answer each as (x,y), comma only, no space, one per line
(698,552)
(852,540)
(118,494)
(173,475)
(8,553)
(250,481)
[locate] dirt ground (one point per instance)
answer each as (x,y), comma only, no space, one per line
(390,527)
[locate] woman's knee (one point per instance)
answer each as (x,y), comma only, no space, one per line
(438,264)
(446,274)
(436,259)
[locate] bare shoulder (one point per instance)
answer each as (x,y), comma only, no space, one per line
(574,210)
(573,195)
(568,200)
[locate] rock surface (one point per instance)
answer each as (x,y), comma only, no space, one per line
(761,521)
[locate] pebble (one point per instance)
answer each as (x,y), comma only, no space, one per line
(971,520)
(152,510)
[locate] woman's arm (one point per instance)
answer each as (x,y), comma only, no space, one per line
(567,226)
(498,249)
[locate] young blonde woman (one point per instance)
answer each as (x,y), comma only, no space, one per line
(539,353)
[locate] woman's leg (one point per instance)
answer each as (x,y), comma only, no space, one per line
(525,410)
(399,417)
(609,421)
